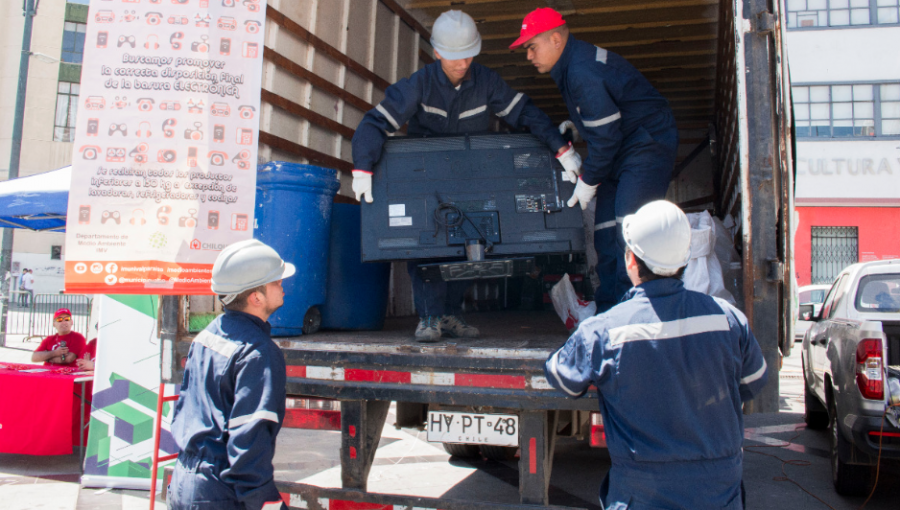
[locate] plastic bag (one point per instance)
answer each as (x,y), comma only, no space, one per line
(570,309)
(703,272)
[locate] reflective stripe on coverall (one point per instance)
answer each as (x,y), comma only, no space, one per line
(672,368)
(632,142)
(433,106)
(229,411)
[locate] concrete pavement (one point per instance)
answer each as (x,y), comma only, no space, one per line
(406,463)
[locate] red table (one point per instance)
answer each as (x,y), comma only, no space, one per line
(41,412)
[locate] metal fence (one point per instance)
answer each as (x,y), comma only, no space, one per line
(18,320)
(36,319)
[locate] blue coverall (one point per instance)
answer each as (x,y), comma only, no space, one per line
(672,368)
(229,411)
(433,106)
(632,142)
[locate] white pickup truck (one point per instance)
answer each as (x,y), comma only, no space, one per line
(851,364)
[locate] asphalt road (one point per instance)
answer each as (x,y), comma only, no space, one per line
(407,464)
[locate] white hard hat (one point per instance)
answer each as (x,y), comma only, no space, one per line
(455,36)
(659,234)
(246,265)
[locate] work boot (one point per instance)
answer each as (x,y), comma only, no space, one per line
(455,327)
(429,329)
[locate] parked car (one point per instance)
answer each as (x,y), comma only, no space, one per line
(848,354)
(809,295)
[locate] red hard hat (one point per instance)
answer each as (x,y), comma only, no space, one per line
(537,22)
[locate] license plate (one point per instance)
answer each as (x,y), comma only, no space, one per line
(473,428)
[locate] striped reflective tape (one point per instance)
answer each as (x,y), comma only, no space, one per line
(602,122)
(418,377)
(247,418)
(473,112)
(608,224)
(668,330)
(432,109)
(216,343)
(553,366)
(388,116)
(512,104)
(755,376)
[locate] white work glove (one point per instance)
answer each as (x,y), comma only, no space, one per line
(571,162)
(583,195)
(566,125)
(362,185)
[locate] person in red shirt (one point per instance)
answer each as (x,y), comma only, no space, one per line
(65,346)
(88,357)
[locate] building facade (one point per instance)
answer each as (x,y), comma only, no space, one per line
(845,74)
(51,104)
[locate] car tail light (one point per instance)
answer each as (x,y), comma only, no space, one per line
(598,433)
(869,364)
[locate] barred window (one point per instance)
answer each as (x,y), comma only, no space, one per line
(841,13)
(66,110)
(847,111)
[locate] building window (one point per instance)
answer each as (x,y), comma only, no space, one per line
(888,12)
(833,249)
(862,110)
(66,110)
(890,109)
(73,42)
(56,252)
(841,13)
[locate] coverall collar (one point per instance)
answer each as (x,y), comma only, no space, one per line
(261,324)
(445,82)
(656,288)
(558,72)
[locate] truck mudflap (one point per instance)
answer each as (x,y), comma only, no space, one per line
(310,497)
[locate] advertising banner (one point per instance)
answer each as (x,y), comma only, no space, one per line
(126,384)
(164,169)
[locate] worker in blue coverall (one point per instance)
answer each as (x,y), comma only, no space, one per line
(232,399)
(449,96)
(629,129)
(672,368)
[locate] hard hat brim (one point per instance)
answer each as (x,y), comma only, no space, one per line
(289,270)
(470,52)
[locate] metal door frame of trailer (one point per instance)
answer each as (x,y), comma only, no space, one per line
(766,179)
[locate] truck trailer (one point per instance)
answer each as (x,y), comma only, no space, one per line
(722,66)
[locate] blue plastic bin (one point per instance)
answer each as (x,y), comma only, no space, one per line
(293,216)
(357,292)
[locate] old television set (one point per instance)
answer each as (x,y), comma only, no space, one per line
(435,195)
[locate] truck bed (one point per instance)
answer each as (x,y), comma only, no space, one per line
(507,334)
(503,369)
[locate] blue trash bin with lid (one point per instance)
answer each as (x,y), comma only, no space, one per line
(293,216)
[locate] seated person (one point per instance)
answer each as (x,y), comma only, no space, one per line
(65,346)
(88,357)
(877,296)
